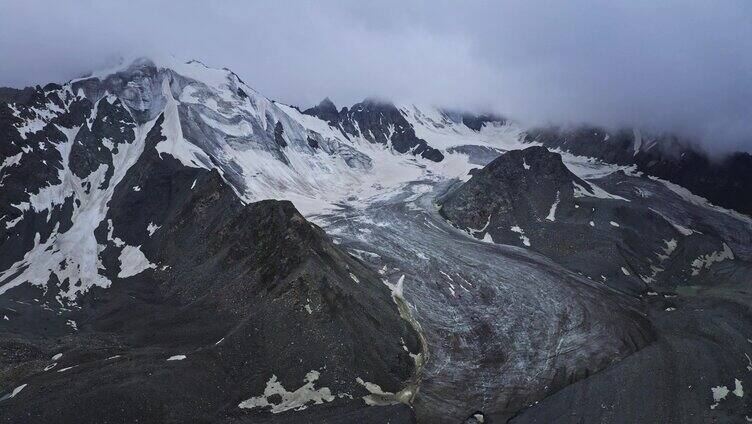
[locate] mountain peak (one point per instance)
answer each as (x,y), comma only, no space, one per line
(327,105)
(325,110)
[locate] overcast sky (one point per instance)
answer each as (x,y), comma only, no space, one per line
(672,65)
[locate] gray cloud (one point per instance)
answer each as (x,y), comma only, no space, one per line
(681,66)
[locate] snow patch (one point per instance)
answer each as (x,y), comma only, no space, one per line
(738,389)
(719,393)
(133,261)
(13,394)
(151,228)
(297,400)
(552,212)
(521,232)
(176,358)
(473,231)
(580,191)
(66,368)
(706,261)
(377,396)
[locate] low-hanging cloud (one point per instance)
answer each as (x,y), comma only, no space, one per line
(678,66)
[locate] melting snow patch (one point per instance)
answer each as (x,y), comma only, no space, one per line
(738,389)
(417,357)
(719,393)
(377,396)
(11,161)
(176,358)
(66,368)
(152,228)
(13,394)
(12,223)
(521,232)
(705,261)
(668,250)
(133,261)
(297,400)
(473,231)
(580,191)
(136,188)
(552,213)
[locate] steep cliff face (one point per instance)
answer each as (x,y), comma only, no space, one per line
(378,122)
(725,181)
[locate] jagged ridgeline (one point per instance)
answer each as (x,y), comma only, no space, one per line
(176,247)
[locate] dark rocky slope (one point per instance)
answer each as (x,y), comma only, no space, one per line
(529,198)
(250,294)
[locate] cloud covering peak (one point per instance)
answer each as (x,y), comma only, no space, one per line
(667,65)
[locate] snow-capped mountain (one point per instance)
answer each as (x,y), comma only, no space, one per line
(72,146)
(159,261)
